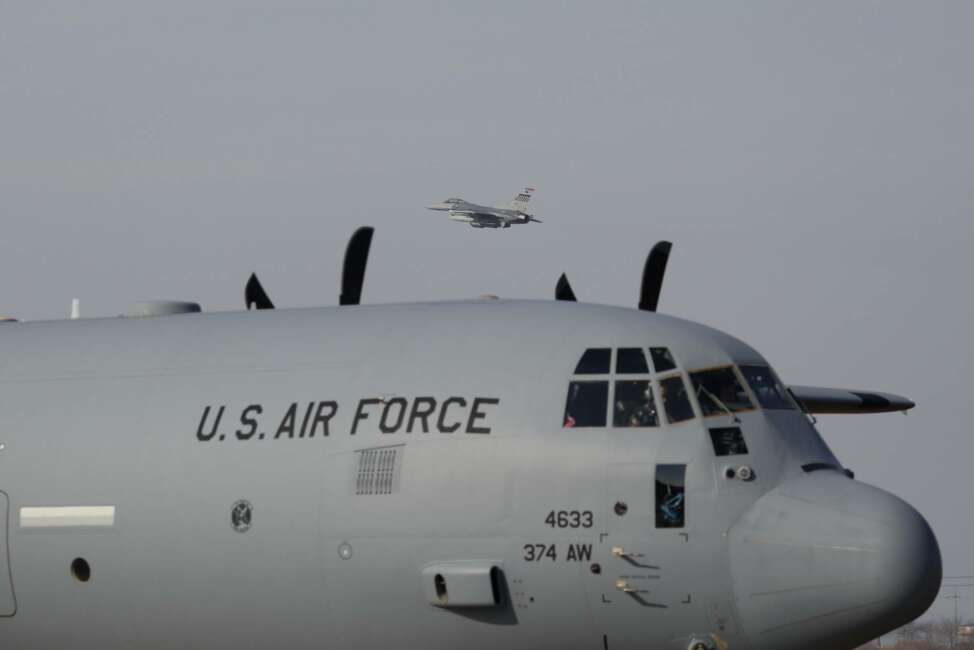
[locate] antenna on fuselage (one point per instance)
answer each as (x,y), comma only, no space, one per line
(353,274)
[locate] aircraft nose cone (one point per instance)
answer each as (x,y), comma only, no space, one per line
(825,561)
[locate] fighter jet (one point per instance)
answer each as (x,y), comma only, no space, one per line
(482,216)
(356,477)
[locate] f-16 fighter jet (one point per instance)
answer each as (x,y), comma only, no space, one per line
(482,216)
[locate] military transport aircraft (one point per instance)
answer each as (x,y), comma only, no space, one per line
(482,216)
(356,477)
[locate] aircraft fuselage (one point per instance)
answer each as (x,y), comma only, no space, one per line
(481,216)
(344,477)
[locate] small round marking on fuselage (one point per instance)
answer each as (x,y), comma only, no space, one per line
(241,516)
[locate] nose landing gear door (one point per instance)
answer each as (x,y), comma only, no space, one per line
(8,606)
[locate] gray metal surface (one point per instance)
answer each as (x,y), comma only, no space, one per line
(256,503)
(818,399)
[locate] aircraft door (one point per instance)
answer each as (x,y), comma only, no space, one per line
(8,606)
(631,596)
(634,569)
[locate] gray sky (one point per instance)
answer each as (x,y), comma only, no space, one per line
(811,161)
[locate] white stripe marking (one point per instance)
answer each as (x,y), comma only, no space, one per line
(67,516)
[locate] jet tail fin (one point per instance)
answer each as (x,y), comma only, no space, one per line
(520,202)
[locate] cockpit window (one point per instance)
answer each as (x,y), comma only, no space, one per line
(719,392)
(671,511)
(631,361)
(662,359)
(728,441)
(769,391)
(595,361)
(626,370)
(588,403)
(676,402)
(634,405)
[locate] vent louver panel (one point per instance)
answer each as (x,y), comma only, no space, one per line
(378,470)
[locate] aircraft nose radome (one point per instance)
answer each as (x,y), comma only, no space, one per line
(825,561)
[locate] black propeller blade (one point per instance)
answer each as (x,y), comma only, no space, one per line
(563,290)
(254,295)
(353,269)
(353,274)
(653,276)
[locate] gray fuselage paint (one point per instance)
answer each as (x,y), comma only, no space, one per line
(125,412)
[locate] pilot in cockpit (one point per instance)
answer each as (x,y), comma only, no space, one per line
(635,406)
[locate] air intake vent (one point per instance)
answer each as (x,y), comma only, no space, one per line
(378,470)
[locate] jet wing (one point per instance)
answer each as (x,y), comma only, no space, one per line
(477,214)
(818,399)
(484,217)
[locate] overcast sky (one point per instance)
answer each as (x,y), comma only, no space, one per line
(811,162)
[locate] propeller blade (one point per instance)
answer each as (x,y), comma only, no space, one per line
(353,269)
(563,290)
(653,274)
(254,295)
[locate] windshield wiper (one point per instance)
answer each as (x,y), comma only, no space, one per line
(716,400)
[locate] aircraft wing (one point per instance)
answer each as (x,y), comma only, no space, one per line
(485,217)
(818,399)
(477,214)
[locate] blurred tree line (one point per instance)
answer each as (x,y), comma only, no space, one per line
(925,635)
